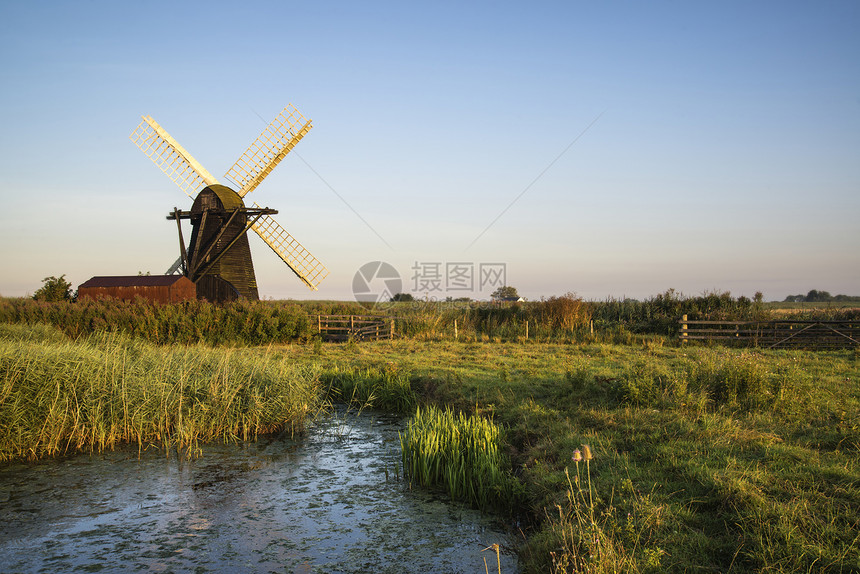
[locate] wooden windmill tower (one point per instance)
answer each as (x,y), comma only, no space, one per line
(218,258)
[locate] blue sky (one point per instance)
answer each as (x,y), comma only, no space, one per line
(715,146)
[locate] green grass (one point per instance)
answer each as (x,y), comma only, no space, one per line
(59,395)
(705,459)
(461,453)
(383,388)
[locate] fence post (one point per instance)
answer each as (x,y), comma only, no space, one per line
(455,329)
(391,333)
(319,323)
(527,330)
(683,328)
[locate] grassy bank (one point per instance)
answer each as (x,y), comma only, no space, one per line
(643,457)
(59,395)
(703,458)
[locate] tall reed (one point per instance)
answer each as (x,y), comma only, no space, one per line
(107,389)
(383,388)
(235,324)
(461,454)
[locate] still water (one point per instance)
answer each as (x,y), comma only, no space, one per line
(330,501)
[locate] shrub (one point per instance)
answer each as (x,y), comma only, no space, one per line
(566,312)
(54,289)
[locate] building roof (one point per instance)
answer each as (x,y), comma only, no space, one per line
(229,198)
(133,281)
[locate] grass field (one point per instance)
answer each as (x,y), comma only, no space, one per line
(704,459)
(642,457)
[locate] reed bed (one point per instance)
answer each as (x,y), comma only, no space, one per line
(384,388)
(461,454)
(106,389)
(240,323)
(567,318)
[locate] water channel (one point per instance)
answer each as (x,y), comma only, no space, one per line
(330,501)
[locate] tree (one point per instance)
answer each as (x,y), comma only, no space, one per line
(817,296)
(54,289)
(505,292)
(402,297)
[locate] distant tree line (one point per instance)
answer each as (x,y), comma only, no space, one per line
(815,296)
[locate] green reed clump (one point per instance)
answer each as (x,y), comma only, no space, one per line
(741,379)
(461,454)
(716,378)
(383,388)
(94,393)
(649,382)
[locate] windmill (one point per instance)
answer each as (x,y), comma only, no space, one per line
(218,258)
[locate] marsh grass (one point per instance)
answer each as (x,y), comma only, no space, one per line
(240,323)
(384,387)
(461,453)
(94,393)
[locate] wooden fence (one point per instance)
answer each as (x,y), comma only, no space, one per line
(355,327)
(776,334)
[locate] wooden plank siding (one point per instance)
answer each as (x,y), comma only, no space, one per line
(157,288)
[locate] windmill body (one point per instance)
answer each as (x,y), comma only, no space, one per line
(219,251)
(218,257)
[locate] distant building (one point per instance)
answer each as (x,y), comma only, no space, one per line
(157,288)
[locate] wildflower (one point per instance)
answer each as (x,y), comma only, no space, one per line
(577,456)
(586,450)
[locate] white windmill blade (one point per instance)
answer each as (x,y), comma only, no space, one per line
(170,157)
(304,265)
(267,151)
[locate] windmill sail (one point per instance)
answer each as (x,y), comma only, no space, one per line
(304,265)
(267,151)
(170,157)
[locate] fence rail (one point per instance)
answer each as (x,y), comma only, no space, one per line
(775,334)
(355,327)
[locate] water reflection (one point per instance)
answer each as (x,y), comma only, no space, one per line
(330,502)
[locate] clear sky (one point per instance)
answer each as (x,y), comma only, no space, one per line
(605,148)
